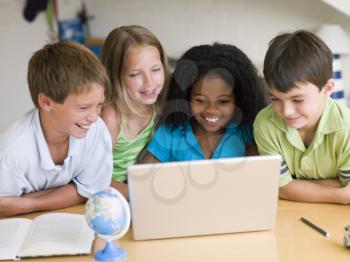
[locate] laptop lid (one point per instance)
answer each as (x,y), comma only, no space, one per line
(203,197)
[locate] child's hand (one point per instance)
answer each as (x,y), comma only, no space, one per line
(12,205)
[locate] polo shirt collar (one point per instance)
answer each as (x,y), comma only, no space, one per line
(45,159)
(73,149)
(331,120)
(291,133)
(43,149)
(279,121)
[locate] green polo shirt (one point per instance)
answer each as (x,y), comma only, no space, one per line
(328,155)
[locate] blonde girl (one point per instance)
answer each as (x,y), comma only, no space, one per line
(138,70)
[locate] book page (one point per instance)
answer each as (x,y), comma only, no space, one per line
(12,234)
(58,234)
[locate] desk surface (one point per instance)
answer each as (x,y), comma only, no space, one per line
(290,241)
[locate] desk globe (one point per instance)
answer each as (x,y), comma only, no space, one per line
(108,214)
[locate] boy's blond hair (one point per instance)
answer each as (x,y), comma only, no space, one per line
(117,46)
(60,69)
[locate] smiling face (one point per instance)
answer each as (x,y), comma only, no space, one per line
(302,106)
(75,115)
(144,74)
(212,103)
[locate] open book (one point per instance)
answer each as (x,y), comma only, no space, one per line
(51,234)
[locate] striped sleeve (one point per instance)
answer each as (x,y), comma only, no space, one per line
(344,167)
(285,174)
(344,176)
(343,162)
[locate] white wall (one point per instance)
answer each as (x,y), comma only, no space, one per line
(248,24)
(180,24)
(19,40)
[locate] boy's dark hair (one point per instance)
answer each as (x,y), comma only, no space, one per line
(60,69)
(230,64)
(297,57)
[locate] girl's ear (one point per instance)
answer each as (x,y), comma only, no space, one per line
(328,88)
(45,102)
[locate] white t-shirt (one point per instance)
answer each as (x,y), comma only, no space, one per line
(26,164)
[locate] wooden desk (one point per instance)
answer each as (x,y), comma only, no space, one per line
(290,241)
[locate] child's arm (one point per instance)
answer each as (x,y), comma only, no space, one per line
(111,118)
(252,150)
(159,148)
(334,182)
(57,198)
(308,191)
(121,187)
(38,193)
(147,158)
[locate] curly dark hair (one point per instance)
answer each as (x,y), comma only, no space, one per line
(229,63)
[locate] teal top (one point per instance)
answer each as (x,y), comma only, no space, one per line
(126,151)
(180,143)
(328,155)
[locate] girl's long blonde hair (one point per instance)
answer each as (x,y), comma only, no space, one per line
(118,44)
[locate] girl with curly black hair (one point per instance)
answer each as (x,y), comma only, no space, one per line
(215,94)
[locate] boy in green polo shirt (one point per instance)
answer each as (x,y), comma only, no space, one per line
(303,124)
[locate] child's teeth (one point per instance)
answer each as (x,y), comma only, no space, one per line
(212,120)
(84,126)
(148,92)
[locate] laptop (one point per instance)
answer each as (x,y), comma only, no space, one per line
(203,197)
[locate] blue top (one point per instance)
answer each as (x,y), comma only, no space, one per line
(179,143)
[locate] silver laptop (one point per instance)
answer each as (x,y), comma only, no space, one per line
(204,197)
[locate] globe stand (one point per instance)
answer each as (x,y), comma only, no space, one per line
(110,253)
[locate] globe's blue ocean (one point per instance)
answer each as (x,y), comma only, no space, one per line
(105,213)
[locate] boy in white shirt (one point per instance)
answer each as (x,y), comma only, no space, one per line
(60,153)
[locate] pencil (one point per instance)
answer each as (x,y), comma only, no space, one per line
(317,228)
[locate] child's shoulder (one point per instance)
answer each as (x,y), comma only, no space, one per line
(265,112)
(97,139)
(337,119)
(264,117)
(342,113)
(171,129)
(165,127)
(111,117)
(337,124)
(97,131)
(19,138)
